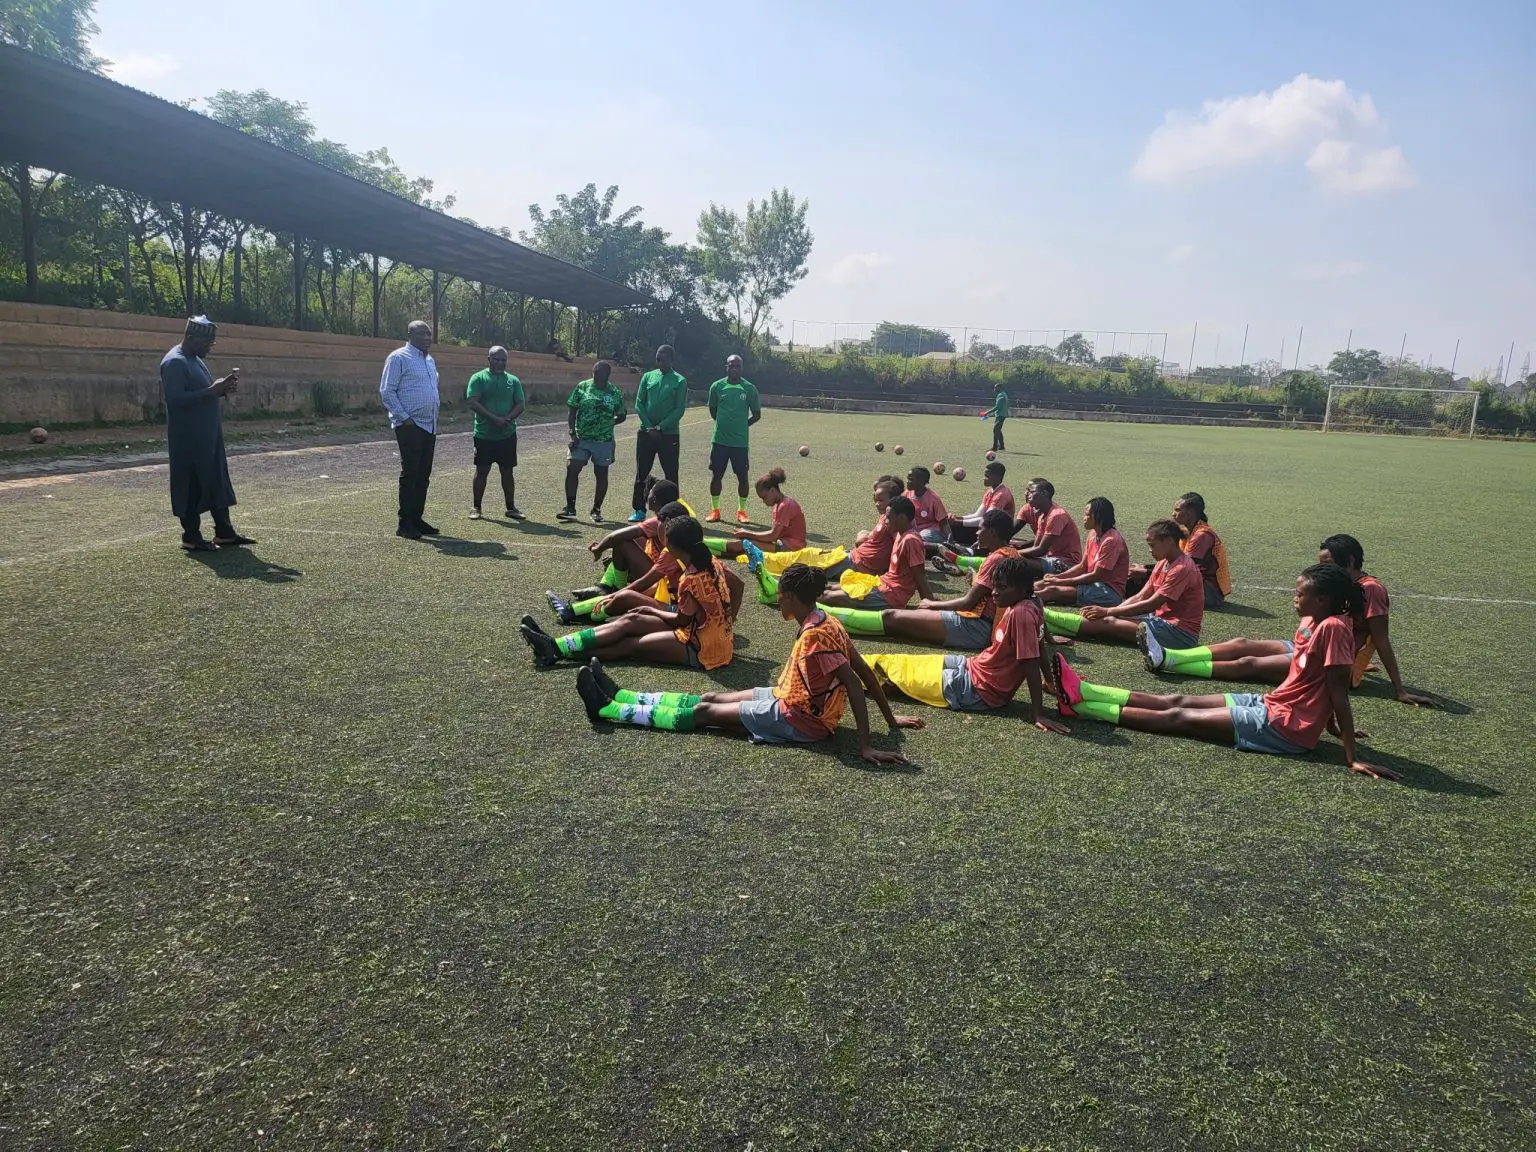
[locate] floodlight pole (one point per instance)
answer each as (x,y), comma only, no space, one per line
(1455,353)
(1242,360)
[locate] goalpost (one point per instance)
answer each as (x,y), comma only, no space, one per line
(1404,411)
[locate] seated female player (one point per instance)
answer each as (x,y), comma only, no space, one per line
(931,519)
(1202,545)
(964,531)
(872,549)
(696,631)
(965,622)
(785,534)
(1170,608)
(1099,577)
(1056,543)
(903,577)
(989,680)
(653,588)
(1268,661)
(1288,721)
(824,672)
(631,547)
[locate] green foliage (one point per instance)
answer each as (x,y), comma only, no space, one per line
(1305,392)
(58,29)
(892,339)
(1075,349)
(747,263)
(326,398)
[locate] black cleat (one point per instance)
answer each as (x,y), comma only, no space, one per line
(562,609)
(545,653)
(592,593)
(604,681)
(427,530)
(591,695)
(408,532)
(532,625)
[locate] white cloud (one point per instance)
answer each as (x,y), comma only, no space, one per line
(1338,131)
(857,266)
(141,68)
(1330,270)
(1179,253)
(1347,167)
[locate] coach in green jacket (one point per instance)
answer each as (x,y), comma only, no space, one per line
(660,402)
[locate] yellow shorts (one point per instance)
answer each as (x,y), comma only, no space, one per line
(858,584)
(920,677)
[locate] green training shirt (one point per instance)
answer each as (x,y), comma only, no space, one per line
(1000,406)
(732,404)
(597,407)
(500,393)
(661,400)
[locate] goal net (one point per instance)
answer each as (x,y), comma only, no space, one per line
(1405,411)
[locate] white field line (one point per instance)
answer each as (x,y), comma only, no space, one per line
(1422,596)
(118,541)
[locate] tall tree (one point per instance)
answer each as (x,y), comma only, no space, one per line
(60,30)
(751,262)
(1358,365)
(893,339)
(1075,349)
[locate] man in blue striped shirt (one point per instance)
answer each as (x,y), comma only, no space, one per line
(409,392)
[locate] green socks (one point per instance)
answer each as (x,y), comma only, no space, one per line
(859,621)
(714,502)
(741,503)
(576,641)
(650,716)
(767,587)
(613,578)
(716,544)
(970,563)
(590,608)
(1098,710)
(1188,661)
(1062,622)
(674,700)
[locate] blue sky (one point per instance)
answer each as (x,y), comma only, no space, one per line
(1007,166)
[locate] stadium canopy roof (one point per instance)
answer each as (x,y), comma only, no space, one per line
(68,120)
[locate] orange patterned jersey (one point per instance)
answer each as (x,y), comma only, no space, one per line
(808,688)
(705,598)
(1205,548)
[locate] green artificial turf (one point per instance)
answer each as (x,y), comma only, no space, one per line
(296,850)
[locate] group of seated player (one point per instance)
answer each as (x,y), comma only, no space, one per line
(671,595)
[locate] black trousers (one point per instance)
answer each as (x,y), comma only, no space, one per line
(417,447)
(192,522)
(997,435)
(649,447)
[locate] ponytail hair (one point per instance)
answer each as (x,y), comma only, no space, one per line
(804,583)
(1197,502)
(1166,529)
(1103,512)
(1344,549)
(774,478)
(1337,586)
(686,535)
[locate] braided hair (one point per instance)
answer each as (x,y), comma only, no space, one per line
(1103,513)
(803,583)
(1335,585)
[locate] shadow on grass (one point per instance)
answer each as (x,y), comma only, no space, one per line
(1246,611)
(243,564)
(533,528)
(838,748)
(817,538)
(470,549)
(1426,777)
(1374,689)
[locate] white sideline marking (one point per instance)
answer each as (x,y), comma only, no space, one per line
(1423,596)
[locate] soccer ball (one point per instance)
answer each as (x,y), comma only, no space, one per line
(898,449)
(38,435)
(938,467)
(991,455)
(959,473)
(804,450)
(879,445)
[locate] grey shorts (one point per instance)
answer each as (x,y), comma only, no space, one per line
(1098,593)
(959,692)
(1213,596)
(1053,564)
(875,601)
(763,718)
(973,633)
(1251,729)
(835,573)
(1165,633)
(932,536)
(600,452)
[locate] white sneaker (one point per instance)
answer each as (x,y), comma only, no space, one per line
(1149,646)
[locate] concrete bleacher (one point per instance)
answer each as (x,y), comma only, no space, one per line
(61,366)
